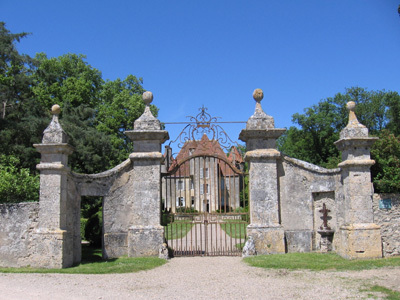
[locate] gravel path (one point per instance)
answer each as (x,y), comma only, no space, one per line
(199,278)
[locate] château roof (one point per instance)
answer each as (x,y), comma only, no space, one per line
(204,147)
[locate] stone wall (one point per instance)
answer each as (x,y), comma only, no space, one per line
(304,188)
(18,222)
(387,215)
(119,209)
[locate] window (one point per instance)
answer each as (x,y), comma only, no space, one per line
(181,185)
(180,202)
(204,189)
(204,173)
(191,184)
(192,201)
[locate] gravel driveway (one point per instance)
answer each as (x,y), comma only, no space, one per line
(199,278)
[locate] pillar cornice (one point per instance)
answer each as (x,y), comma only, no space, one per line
(356,163)
(263,134)
(148,135)
(261,154)
(157,156)
(62,148)
(349,142)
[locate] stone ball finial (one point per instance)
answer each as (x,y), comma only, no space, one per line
(258,95)
(55,109)
(351,105)
(147,97)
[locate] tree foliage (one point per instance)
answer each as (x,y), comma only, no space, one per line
(66,80)
(386,171)
(120,106)
(92,218)
(320,125)
(16,184)
(20,123)
(15,71)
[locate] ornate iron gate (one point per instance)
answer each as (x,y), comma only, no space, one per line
(204,198)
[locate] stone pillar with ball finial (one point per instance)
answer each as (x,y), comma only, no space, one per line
(358,236)
(145,235)
(262,155)
(54,235)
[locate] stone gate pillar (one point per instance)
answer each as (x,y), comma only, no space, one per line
(54,238)
(145,236)
(261,135)
(359,236)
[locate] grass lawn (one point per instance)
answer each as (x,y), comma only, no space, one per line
(235,228)
(329,261)
(318,262)
(389,294)
(177,229)
(92,263)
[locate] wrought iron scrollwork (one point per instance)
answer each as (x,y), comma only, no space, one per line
(204,123)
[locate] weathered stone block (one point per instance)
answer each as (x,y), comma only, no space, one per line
(268,240)
(145,240)
(299,240)
(115,245)
(360,241)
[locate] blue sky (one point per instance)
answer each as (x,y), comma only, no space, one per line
(215,53)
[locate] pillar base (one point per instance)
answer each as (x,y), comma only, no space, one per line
(267,239)
(359,241)
(145,240)
(54,249)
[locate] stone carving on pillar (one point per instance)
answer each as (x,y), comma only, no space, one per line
(260,136)
(55,238)
(359,237)
(146,236)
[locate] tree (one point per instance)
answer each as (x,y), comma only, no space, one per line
(15,70)
(93,150)
(21,121)
(393,113)
(386,171)
(319,129)
(121,104)
(66,80)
